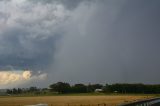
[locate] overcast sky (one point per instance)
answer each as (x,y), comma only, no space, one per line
(79,41)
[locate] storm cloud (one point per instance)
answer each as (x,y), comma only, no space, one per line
(88,41)
(29,33)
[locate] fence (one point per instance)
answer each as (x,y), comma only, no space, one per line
(148,102)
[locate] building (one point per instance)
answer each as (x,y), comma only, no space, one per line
(98,90)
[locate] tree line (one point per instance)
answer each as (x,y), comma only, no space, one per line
(63,87)
(133,88)
(31,90)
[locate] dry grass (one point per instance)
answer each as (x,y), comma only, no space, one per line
(69,100)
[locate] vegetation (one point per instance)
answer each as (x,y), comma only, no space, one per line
(27,91)
(60,87)
(114,88)
(133,88)
(66,88)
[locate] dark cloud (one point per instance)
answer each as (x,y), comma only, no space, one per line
(37,56)
(28,39)
(121,44)
(105,41)
(69,4)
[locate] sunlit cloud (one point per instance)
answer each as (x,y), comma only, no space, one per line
(26,75)
(19,77)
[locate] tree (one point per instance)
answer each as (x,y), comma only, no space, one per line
(19,90)
(106,88)
(14,91)
(33,89)
(60,87)
(9,91)
(79,88)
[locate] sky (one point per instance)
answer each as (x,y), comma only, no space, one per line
(79,41)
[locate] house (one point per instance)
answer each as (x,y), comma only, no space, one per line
(98,90)
(115,91)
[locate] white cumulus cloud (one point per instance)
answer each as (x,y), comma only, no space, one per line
(19,77)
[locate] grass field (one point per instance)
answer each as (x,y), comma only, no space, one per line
(70,100)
